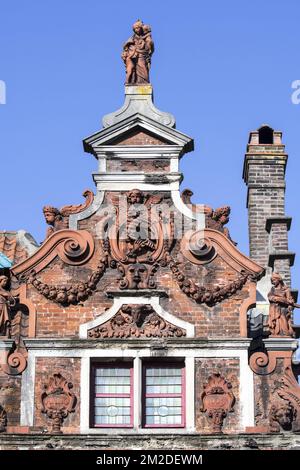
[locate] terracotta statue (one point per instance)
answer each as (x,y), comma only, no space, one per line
(281,307)
(53,218)
(6,300)
(137,52)
(58,218)
(217,219)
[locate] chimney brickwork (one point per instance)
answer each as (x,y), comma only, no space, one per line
(264,174)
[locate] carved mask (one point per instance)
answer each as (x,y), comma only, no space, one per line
(137,274)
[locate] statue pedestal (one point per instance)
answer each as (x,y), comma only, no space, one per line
(139,99)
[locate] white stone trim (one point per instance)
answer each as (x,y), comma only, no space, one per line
(190,393)
(174,165)
(246,383)
(280,343)
(246,392)
(153,301)
(28,392)
(185,210)
(142,186)
(137,392)
(138,151)
(127,181)
(6,344)
(74,218)
(85,393)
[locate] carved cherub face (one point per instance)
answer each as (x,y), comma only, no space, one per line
(136,274)
(49,217)
(284,416)
(154,320)
(147,28)
(119,320)
(224,219)
(81,287)
(138,27)
(276,280)
(135,197)
(3,281)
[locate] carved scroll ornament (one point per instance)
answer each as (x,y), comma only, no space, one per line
(74,248)
(217,400)
(136,321)
(10,328)
(264,362)
(58,401)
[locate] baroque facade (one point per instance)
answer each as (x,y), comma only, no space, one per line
(138,316)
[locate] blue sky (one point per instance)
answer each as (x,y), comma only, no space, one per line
(223,69)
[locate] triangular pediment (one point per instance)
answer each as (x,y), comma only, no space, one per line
(120,134)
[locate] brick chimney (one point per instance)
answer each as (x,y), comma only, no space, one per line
(264,173)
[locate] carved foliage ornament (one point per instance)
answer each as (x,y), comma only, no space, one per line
(58,401)
(137,321)
(201,294)
(75,293)
(217,400)
(285,410)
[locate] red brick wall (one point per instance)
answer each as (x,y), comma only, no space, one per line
(221,320)
(138,137)
(148,166)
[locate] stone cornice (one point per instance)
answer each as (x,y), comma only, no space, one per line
(278,219)
(106,136)
(120,343)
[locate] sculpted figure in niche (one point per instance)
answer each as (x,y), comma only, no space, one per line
(6,301)
(281,308)
(137,52)
(138,226)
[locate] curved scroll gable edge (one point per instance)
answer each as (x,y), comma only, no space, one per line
(233,256)
(53,246)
